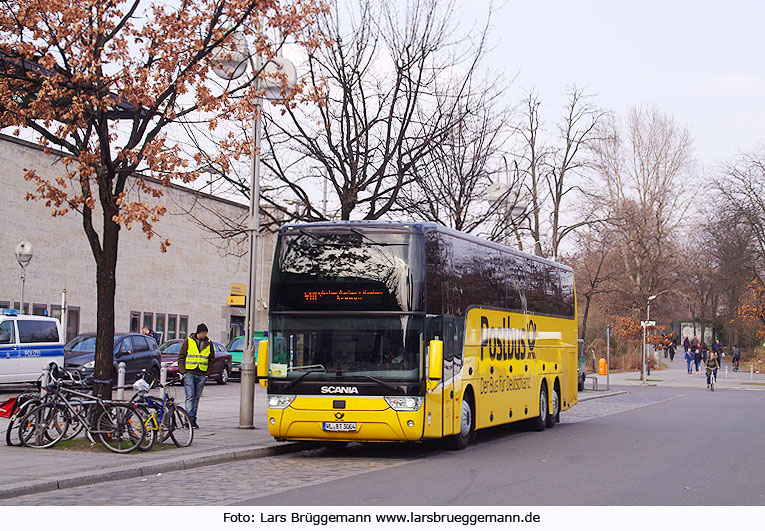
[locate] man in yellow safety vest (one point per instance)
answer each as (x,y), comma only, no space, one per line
(194,362)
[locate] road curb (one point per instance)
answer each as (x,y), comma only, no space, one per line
(150,469)
(604,394)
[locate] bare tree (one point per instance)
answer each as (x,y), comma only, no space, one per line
(391,83)
(742,190)
(551,167)
(593,263)
(457,183)
(645,169)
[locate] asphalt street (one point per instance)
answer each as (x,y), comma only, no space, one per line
(653,446)
(649,446)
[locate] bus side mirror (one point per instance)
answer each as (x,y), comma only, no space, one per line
(263,363)
(435,360)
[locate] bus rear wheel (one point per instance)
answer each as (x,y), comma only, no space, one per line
(467,423)
(540,422)
(553,415)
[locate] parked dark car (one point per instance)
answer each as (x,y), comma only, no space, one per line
(139,352)
(220,370)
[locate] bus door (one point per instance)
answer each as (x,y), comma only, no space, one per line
(449,373)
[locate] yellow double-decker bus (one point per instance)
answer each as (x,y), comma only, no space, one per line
(410,331)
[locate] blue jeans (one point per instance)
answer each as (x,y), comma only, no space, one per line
(689,366)
(193,384)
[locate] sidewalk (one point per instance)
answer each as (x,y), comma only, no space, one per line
(26,471)
(676,375)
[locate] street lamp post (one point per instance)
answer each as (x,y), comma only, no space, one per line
(645,328)
(23,257)
(231,63)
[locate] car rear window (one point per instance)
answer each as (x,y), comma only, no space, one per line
(173,348)
(37,331)
(237,345)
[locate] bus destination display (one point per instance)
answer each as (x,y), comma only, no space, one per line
(342,296)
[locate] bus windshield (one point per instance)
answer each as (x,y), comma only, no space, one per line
(337,348)
(347,270)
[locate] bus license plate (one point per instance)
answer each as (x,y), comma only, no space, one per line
(339,426)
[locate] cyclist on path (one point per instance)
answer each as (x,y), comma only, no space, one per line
(713,364)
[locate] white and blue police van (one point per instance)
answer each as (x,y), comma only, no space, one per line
(27,342)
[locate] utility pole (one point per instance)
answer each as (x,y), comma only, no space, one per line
(645,332)
(608,358)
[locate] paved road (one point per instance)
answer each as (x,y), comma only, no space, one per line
(663,446)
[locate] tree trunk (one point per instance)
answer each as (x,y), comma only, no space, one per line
(106,283)
(584,319)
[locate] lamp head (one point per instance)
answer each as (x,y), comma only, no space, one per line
(24,253)
(652,297)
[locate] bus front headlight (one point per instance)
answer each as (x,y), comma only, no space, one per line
(280,401)
(405,403)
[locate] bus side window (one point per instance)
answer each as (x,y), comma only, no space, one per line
(449,333)
(459,335)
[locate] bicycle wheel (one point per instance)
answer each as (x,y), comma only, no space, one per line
(120,428)
(151,429)
(43,426)
(181,430)
(165,426)
(12,433)
(75,425)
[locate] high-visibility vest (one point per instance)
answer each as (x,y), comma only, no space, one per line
(194,358)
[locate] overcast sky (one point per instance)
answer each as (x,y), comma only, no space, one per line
(702,61)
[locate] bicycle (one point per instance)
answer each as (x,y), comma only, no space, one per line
(118,426)
(24,402)
(711,379)
(33,396)
(166,419)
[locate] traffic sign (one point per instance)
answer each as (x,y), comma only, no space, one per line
(647,324)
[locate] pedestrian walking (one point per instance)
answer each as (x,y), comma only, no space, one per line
(735,357)
(718,349)
(694,343)
(689,360)
(194,361)
(671,349)
(687,344)
(704,352)
(712,365)
(697,358)
(151,333)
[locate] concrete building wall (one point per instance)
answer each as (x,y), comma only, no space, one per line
(192,279)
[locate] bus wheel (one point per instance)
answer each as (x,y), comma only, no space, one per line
(461,440)
(552,416)
(539,423)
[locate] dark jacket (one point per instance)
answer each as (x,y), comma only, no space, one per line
(712,363)
(736,353)
(697,356)
(154,335)
(201,346)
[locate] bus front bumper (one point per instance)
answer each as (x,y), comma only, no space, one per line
(373,420)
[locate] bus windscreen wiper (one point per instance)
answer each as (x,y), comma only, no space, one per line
(381,382)
(306,373)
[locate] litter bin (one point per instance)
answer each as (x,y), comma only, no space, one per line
(602,367)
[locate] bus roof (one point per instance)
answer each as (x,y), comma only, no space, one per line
(418,227)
